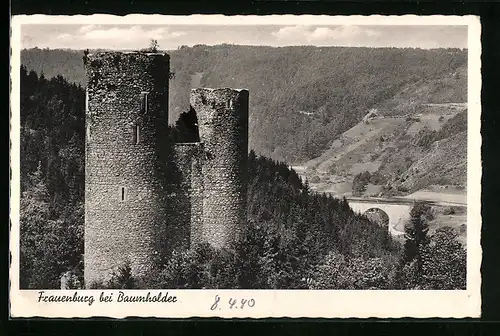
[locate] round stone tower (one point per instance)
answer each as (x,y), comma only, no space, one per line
(126,129)
(223,129)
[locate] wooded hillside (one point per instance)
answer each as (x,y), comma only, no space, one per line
(301,98)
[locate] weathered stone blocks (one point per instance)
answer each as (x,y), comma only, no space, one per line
(185,185)
(125,196)
(223,127)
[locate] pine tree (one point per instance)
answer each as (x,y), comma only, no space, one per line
(34,215)
(416,238)
(444,261)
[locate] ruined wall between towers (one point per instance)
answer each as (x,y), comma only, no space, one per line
(117,165)
(223,128)
(185,197)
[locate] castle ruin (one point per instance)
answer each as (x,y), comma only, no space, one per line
(144,194)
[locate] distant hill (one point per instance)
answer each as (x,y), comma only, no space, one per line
(403,153)
(53,62)
(301,98)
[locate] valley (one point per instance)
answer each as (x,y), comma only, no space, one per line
(405,153)
(355,122)
(402,165)
(448,204)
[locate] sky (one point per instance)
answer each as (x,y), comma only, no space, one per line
(170,37)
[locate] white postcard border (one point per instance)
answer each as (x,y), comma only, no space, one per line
(268,303)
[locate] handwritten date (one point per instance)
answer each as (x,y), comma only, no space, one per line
(233,303)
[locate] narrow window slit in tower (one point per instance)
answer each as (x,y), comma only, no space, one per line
(144,102)
(123,194)
(135,134)
(229,103)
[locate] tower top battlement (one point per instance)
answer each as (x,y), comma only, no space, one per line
(205,89)
(101,54)
(209,102)
(134,65)
(129,85)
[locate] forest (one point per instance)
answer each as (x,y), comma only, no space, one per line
(295,238)
(302,97)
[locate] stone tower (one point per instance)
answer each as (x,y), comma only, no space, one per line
(223,129)
(126,129)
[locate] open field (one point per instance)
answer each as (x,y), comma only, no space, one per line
(436,196)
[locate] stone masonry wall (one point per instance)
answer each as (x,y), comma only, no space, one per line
(185,197)
(133,229)
(223,127)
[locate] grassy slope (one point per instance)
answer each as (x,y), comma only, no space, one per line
(397,157)
(444,164)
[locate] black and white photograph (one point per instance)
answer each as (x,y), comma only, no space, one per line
(325,155)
